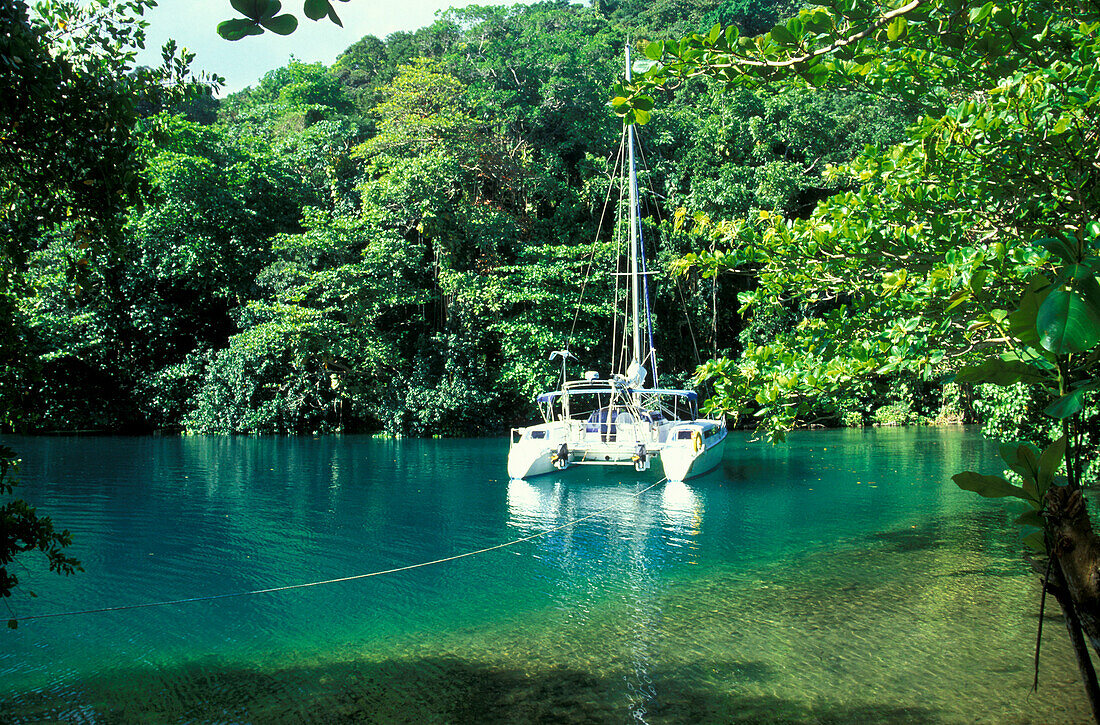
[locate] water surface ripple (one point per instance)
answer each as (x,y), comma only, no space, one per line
(840,577)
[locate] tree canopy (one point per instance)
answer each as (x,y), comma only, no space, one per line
(389,243)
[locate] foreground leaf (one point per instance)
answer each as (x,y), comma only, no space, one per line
(238,28)
(281,24)
(1035,542)
(1050,462)
(1067,323)
(1066,406)
(316,9)
(256,9)
(988,486)
(1000,372)
(1030,518)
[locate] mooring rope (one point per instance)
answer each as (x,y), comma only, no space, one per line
(287,587)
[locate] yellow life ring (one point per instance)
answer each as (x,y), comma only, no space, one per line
(696,440)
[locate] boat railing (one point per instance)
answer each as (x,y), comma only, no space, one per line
(623,431)
(620,433)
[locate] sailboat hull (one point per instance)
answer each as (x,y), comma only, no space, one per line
(683,459)
(685,448)
(526,462)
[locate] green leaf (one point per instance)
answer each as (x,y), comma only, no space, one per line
(1031,488)
(1066,322)
(1022,458)
(316,9)
(641,117)
(255,9)
(978,14)
(1030,518)
(977,282)
(988,486)
(1049,462)
(1085,283)
(1060,127)
(1036,542)
(781,35)
(281,24)
(956,299)
(655,50)
(1021,323)
(238,28)
(1063,249)
(1000,372)
(1028,456)
(1066,406)
(896,29)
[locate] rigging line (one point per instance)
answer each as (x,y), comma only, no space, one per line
(660,221)
(691,331)
(645,279)
(595,241)
(270,590)
(649,179)
(648,314)
(618,239)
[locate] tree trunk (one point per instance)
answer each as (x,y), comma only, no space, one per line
(1076,548)
(1076,551)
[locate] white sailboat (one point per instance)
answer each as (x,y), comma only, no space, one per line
(617,420)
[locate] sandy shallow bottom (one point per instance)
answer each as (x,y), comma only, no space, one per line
(898,630)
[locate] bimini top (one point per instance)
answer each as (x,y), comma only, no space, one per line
(603,390)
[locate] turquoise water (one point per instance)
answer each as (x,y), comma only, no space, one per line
(840,577)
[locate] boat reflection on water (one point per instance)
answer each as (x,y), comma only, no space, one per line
(682,509)
(670,506)
(634,538)
(529,504)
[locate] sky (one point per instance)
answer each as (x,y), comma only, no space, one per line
(193,25)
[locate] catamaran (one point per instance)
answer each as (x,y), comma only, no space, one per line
(617,420)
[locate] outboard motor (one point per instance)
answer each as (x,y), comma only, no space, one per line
(561,458)
(641,458)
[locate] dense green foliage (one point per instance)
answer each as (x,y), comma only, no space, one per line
(69,166)
(917,267)
(396,242)
(73,165)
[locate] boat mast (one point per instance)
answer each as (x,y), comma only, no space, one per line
(634,295)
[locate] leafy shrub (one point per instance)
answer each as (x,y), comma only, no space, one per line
(953,406)
(273,378)
(1015,413)
(894,414)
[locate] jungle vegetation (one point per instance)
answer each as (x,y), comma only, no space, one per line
(395,242)
(875,214)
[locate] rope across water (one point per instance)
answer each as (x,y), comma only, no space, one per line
(305,585)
